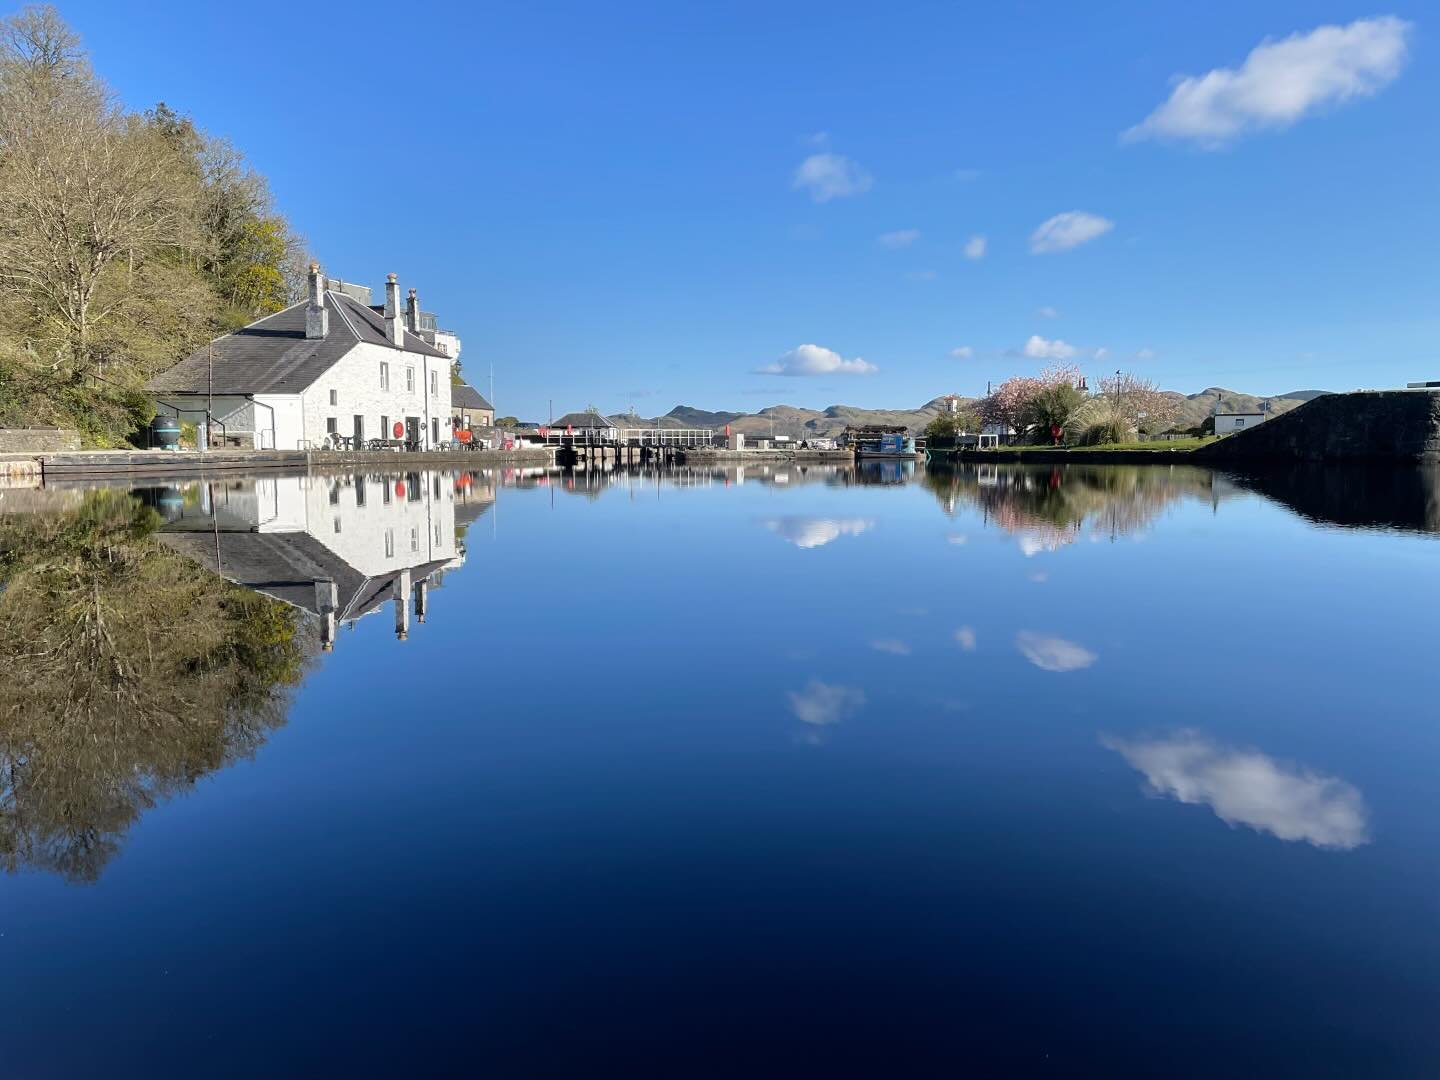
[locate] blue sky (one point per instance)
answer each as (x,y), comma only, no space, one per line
(612,203)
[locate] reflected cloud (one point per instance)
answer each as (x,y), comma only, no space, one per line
(1246,787)
(958,539)
(1039,577)
(822,704)
(893,646)
(965,638)
(1053,653)
(813,532)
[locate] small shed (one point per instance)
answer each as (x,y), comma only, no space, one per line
(1229,422)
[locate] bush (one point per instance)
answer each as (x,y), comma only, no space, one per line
(1112,430)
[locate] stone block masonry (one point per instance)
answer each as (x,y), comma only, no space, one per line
(38,440)
(1368,425)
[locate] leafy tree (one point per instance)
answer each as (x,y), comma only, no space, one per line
(507,422)
(1055,408)
(168,239)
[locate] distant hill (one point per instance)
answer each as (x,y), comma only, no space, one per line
(801,423)
(1196,407)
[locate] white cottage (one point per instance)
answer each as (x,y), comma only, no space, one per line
(326,368)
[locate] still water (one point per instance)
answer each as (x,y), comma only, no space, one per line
(764,772)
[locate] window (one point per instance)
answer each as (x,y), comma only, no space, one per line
(389,542)
(384,427)
(331,425)
(434,384)
(334,397)
(1239,421)
(384,375)
(434,431)
(410,379)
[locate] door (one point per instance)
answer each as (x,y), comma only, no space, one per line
(412,430)
(359,431)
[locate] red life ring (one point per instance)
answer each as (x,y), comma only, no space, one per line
(398,429)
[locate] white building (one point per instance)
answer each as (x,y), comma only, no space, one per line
(338,547)
(1228,422)
(324,368)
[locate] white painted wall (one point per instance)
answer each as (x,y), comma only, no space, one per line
(377,524)
(1228,422)
(356,382)
(288,417)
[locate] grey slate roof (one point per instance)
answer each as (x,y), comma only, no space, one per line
(273,356)
(465,396)
(286,565)
(582,421)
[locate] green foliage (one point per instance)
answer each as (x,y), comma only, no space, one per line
(169,240)
(948,425)
(507,422)
(1058,405)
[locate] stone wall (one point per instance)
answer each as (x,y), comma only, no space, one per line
(37,440)
(1370,425)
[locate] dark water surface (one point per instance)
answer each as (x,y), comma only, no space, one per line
(782,772)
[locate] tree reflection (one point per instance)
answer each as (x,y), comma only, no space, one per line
(130,672)
(1051,506)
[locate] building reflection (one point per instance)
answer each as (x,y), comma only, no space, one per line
(336,547)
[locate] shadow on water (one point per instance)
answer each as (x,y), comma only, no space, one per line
(1058,502)
(1354,496)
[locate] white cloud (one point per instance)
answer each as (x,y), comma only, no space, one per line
(965,638)
(1101,353)
(899,238)
(813,532)
(967,174)
(975,247)
(1246,787)
(921,275)
(1068,230)
(1039,348)
(962,352)
(816,360)
(1048,312)
(1281,81)
(893,646)
(819,138)
(1053,653)
(825,703)
(1145,354)
(831,176)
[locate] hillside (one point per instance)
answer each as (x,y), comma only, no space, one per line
(802,423)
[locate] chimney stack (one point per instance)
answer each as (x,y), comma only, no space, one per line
(317,315)
(412,313)
(400,591)
(394,328)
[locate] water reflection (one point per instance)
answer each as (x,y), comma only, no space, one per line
(336,547)
(823,704)
(1246,787)
(129,673)
(813,532)
(1053,653)
(1047,507)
